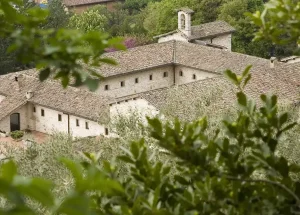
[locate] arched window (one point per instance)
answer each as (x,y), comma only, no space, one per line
(182,21)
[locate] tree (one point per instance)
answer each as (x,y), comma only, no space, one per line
(90,20)
(233,12)
(237,170)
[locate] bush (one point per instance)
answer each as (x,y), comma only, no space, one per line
(17,134)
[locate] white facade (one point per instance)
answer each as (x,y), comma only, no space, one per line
(222,40)
(46,120)
(130,87)
(186,75)
(136,105)
(2,98)
(176,36)
(56,121)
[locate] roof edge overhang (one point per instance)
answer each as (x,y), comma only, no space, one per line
(65,112)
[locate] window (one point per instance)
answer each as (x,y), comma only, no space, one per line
(106,87)
(77,122)
(126,100)
(59,117)
(86,125)
(182,17)
(34,110)
(136,80)
(150,77)
(165,74)
(122,83)
(106,131)
(42,112)
(194,76)
(180,73)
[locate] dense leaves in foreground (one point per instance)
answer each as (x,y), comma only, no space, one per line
(63,53)
(239,173)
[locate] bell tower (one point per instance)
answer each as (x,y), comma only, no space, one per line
(185,21)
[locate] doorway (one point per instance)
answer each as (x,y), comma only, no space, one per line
(15,122)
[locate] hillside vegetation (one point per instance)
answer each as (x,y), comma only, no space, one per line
(139,21)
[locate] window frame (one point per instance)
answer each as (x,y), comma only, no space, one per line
(122,83)
(87,127)
(59,117)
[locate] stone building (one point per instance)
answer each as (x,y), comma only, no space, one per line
(143,80)
(79,6)
(216,34)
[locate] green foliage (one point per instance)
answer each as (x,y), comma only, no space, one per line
(90,20)
(17,134)
(279,21)
(237,169)
(64,53)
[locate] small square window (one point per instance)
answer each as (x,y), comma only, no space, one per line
(194,76)
(77,122)
(86,125)
(42,112)
(59,117)
(106,87)
(122,83)
(34,110)
(180,73)
(136,80)
(150,77)
(106,131)
(165,74)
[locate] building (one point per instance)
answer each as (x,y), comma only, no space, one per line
(143,80)
(216,34)
(25,103)
(79,6)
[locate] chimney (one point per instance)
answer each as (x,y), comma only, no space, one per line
(29,94)
(273,62)
(185,21)
(17,84)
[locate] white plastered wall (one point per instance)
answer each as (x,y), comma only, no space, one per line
(187,75)
(127,107)
(176,36)
(144,83)
(2,98)
(5,123)
(222,40)
(50,124)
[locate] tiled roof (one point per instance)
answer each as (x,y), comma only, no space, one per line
(50,94)
(84,2)
(206,30)
(139,58)
(210,29)
(188,54)
(218,93)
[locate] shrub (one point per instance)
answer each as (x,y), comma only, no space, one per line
(17,134)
